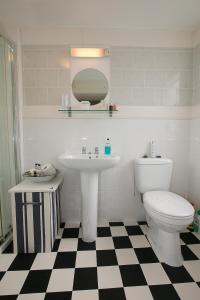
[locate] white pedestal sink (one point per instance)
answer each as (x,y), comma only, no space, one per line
(89,166)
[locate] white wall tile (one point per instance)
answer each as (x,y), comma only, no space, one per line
(38,96)
(54,95)
(129,138)
(34,58)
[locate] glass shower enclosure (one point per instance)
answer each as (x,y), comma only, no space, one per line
(8,129)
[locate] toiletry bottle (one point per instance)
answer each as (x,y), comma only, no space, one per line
(152,149)
(107,148)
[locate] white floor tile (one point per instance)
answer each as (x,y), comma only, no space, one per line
(109,277)
(70,244)
(36,296)
(138,292)
(61,280)
(182,242)
(86,259)
(85,295)
(144,228)
(197,235)
(188,291)
(5,261)
(139,241)
(193,267)
(72,225)
(126,256)
(195,249)
(130,223)
(44,261)
(60,233)
(155,274)
(104,243)
(103,224)
(12,282)
(118,231)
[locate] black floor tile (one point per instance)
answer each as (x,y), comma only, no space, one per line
(9,249)
(9,297)
(1,275)
(65,260)
(112,294)
(132,275)
(58,296)
(70,233)
(164,292)
(56,245)
(36,282)
(106,258)
(116,223)
(62,225)
(142,222)
(177,274)
(198,283)
(146,255)
(86,246)
(189,238)
(122,242)
(22,262)
(85,279)
(134,230)
(187,253)
(103,231)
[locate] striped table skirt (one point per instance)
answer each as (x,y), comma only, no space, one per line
(36,220)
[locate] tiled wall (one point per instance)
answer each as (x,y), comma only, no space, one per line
(118,198)
(151,76)
(196,75)
(194,171)
(139,76)
(45,74)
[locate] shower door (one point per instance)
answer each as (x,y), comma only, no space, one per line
(7,135)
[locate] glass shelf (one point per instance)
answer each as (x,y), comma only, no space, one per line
(70,111)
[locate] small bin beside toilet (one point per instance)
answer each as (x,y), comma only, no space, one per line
(35,215)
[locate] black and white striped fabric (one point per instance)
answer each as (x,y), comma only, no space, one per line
(36,220)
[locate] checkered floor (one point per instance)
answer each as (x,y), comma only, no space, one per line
(120,265)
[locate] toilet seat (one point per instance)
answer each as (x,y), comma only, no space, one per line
(168,207)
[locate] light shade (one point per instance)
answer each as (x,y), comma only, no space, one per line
(89,52)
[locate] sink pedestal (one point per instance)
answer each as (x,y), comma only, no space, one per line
(89,165)
(89,191)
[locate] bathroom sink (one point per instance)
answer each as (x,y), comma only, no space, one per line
(89,162)
(89,166)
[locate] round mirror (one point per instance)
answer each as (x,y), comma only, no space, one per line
(90,85)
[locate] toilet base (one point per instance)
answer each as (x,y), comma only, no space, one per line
(166,245)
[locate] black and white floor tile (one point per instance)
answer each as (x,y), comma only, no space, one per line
(120,265)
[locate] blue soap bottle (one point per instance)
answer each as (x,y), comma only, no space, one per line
(107,148)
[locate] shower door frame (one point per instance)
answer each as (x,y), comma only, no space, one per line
(13,122)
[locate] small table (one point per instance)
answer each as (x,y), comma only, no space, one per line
(35,215)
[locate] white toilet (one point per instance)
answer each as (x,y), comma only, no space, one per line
(167,213)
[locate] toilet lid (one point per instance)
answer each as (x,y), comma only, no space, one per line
(168,203)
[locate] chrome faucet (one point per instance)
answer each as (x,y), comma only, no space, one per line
(96,150)
(83,149)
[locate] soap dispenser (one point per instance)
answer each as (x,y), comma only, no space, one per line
(107,148)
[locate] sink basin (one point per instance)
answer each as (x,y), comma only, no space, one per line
(89,165)
(89,162)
